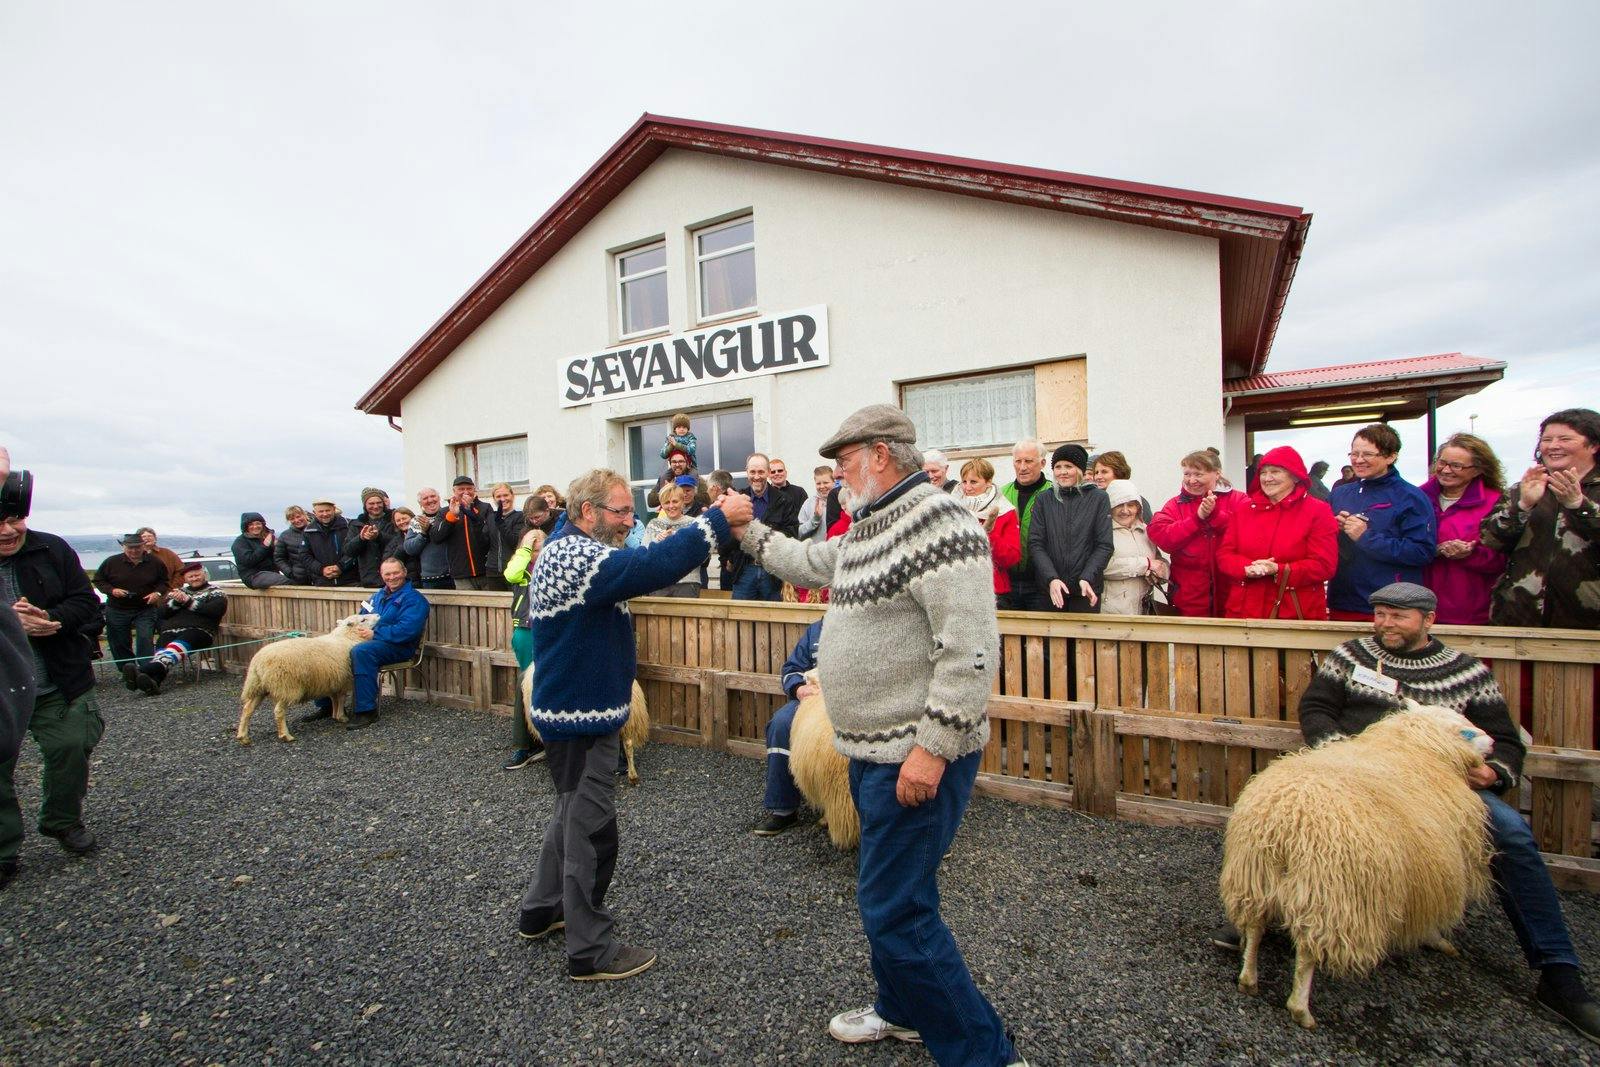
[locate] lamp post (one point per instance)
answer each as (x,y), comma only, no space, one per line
(1472,424)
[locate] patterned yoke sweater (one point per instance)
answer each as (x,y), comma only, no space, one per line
(909,652)
(582,632)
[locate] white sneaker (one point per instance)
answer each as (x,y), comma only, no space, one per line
(864,1024)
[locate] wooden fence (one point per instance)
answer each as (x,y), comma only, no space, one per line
(1156,719)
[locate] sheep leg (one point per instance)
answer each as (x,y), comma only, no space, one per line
(338,707)
(1437,942)
(633,773)
(278,711)
(244,720)
(1251,946)
(1299,1003)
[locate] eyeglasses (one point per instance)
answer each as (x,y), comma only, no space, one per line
(1365,455)
(1447,465)
(842,456)
(616,511)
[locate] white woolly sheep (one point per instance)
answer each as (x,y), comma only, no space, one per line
(299,669)
(820,772)
(635,732)
(1359,847)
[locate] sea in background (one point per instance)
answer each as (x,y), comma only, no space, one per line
(93,549)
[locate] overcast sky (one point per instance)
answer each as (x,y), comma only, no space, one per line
(220,223)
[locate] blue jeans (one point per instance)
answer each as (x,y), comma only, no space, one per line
(923,982)
(365,659)
(1522,882)
(754,583)
(141,620)
(782,796)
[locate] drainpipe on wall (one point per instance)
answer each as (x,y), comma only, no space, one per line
(395,426)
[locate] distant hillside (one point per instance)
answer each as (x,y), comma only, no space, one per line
(92,549)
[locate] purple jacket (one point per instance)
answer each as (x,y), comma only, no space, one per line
(1463,585)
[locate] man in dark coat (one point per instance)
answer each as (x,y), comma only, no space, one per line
(778,510)
(328,542)
(373,537)
(43,584)
(1069,540)
(465,530)
(289,552)
(133,584)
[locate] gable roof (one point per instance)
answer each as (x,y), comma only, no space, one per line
(1260,243)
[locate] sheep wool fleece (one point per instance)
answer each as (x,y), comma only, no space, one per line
(582,632)
(908,655)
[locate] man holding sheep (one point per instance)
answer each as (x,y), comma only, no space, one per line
(906,660)
(1363,680)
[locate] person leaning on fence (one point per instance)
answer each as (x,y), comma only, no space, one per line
(1069,541)
(42,583)
(465,531)
(1136,568)
(1466,485)
(782,801)
(526,748)
(373,537)
(907,662)
(980,496)
(402,617)
(675,499)
(133,584)
(1189,528)
(1386,531)
(328,542)
(504,530)
(1281,545)
(584,646)
(1548,525)
(289,551)
(190,617)
(1363,680)
(433,558)
(253,553)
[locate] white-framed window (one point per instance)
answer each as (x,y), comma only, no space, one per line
(724,439)
(725,267)
(642,289)
(491,462)
(976,411)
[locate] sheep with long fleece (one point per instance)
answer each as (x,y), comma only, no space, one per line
(635,732)
(820,772)
(1359,847)
(302,668)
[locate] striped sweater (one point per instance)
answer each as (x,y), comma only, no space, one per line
(911,646)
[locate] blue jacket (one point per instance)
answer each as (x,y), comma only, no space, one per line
(1400,540)
(802,659)
(402,615)
(582,633)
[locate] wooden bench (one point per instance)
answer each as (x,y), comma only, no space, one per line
(396,671)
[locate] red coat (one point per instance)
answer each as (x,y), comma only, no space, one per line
(1198,589)
(1300,533)
(1005,545)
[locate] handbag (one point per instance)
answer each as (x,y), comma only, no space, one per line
(1294,595)
(1149,605)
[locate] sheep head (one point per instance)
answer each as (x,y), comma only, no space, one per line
(348,627)
(1481,742)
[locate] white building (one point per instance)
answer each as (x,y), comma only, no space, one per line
(769,284)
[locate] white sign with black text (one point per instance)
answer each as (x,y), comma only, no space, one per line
(793,340)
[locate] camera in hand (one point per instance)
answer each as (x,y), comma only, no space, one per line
(16,495)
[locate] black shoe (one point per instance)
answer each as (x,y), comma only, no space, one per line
(537,923)
(320,713)
(1571,1003)
(775,824)
(361,721)
(130,677)
(8,874)
(148,685)
(1226,938)
(74,839)
(524,756)
(629,962)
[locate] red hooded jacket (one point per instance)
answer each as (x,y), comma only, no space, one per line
(1299,533)
(1198,589)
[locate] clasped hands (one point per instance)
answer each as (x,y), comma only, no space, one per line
(36,622)
(1059,592)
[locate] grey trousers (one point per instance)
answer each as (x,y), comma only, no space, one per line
(580,849)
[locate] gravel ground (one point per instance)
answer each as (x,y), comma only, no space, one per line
(351,898)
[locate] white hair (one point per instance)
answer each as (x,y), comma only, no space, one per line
(1029,442)
(933,455)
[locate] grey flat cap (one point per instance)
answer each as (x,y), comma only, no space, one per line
(1405,595)
(875,422)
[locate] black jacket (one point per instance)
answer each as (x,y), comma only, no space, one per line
(1070,536)
(49,575)
(203,612)
(249,554)
(467,534)
(505,530)
(329,546)
(368,556)
(783,515)
(797,497)
(16,683)
(292,556)
(139,579)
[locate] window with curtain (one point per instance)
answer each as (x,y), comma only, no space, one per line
(725,260)
(489,462)
(974,412)
(642,289)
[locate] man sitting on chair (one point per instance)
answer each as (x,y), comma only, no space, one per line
(402,616)
(189,619)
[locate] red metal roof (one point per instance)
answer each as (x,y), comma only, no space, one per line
(1260,243)
(1383,370)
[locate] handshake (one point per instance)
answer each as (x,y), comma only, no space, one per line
(737,509)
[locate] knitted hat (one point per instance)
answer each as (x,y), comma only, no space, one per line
(371,491)
(1122,491)
(1076,455)
(676,451)
(875,422)
(1405,595)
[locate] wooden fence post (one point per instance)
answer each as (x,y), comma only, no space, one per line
(1094,761)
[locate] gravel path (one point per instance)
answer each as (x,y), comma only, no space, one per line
(351,898)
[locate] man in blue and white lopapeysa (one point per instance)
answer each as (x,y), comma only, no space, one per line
(584,645)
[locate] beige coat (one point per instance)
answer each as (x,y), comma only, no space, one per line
(1126,580)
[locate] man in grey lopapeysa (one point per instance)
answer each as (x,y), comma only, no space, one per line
(907,664)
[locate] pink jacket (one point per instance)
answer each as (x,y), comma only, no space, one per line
(1463,585)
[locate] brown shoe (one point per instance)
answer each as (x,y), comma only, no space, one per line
(629,962)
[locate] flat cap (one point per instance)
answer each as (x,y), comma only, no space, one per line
(1405,595)
(875,422)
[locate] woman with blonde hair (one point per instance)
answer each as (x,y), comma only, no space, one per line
(979,495)
(1190,527)
(1466,485)
(535,510)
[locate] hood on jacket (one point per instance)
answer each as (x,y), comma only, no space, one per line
(1287,458)
(248,517)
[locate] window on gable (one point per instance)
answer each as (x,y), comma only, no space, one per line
(642,289)
(725,265)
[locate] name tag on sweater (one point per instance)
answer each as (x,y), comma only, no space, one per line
(1373,680)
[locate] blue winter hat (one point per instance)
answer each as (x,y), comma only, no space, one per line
(685,480)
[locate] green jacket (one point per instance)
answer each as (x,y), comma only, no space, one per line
(1024,518)
(1552,573)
